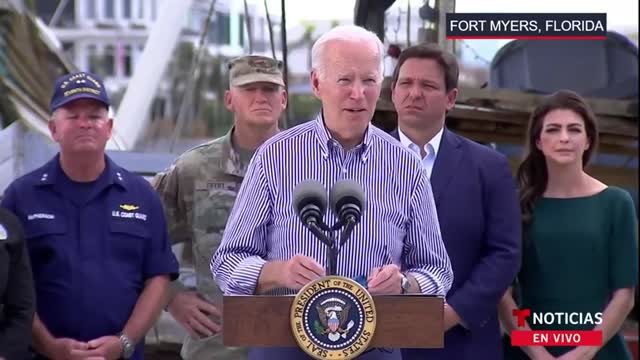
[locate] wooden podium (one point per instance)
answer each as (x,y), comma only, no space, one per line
(403,321)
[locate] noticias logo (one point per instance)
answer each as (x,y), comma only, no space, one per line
(556,337)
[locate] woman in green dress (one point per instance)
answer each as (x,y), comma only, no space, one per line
(580,251)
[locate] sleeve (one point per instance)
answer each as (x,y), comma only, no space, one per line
(623,245)
(175,192)
(19,304)
(425,256)
(476,299)
(159,258)
(175,188)
(237,263)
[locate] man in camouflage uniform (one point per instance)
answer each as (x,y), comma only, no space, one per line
(198,192)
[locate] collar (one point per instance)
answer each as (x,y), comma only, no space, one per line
(325,140)
(50,171)
(432,146)
(232,162)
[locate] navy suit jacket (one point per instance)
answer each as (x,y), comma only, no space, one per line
(479,216)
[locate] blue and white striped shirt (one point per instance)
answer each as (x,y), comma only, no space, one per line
(399,224)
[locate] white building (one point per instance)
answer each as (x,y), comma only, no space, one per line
(107,37)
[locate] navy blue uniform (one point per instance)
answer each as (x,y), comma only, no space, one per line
(92,246)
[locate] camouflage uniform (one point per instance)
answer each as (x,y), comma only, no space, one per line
(198,193)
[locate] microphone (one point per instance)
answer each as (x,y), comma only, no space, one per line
(348,201)
(309,201)
(11,231)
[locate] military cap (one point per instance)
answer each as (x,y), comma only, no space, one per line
(254,68)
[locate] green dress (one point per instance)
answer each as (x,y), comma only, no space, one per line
(576,252)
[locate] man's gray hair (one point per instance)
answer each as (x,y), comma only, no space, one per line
(343,32)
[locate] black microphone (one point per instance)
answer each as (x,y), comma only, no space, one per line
(11,231)
(348,201)
(309,201)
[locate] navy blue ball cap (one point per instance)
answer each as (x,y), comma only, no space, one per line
(78,85)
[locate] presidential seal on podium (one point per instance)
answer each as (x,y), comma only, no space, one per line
(333,318)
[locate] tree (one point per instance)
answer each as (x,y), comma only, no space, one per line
(178,74)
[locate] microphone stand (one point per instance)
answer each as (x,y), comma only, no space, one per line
(334,249)
(332,258)
(330,242)
(333,246)
(346,233)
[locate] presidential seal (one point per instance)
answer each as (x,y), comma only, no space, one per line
(333,318)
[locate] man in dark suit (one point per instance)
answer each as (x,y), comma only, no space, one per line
(475,198)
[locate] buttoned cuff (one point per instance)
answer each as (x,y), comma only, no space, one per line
(163,263)
(428,284)
(244,278)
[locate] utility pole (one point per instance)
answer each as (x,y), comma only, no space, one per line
(436,16)
(288,113)
(444,7)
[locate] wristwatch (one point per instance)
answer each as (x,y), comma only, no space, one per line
(128,347)
(404,283)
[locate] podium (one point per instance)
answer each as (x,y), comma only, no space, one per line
(332,316)
(403,321)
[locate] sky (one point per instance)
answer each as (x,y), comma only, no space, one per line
(620,13)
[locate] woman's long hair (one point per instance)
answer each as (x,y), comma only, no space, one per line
(532,173)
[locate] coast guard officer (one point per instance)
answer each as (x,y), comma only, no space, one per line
(96,236)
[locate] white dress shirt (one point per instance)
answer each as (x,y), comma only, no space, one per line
(430,149)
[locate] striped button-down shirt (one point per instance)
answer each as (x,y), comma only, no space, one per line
(399,224)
